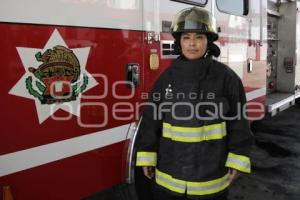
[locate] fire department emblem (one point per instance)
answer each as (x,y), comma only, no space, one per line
(57,76)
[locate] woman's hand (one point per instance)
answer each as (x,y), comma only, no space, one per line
(233,174)
(148,171)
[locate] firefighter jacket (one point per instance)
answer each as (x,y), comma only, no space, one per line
(194,128)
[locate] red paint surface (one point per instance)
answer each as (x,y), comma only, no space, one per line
(109,54)
(71,178)
(81,175)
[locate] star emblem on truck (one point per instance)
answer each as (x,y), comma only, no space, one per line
(55,77)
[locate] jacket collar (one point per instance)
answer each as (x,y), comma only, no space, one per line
(191,68)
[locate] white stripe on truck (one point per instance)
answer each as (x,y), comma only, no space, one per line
(33,157)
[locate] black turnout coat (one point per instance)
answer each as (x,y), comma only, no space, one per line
(194,128)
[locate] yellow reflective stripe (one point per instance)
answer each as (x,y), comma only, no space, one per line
(239,162)
(170,183)
(146,154)
(209,187)
(193,129)
(146,159)
(194,134)
(192,188)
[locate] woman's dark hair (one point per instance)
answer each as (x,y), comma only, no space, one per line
(177,47)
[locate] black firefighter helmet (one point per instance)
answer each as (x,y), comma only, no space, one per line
(195,20)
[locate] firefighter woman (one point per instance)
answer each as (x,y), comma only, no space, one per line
(195,139)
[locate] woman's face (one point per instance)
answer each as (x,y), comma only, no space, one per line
(193,45)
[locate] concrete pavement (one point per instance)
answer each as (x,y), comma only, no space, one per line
(275,160)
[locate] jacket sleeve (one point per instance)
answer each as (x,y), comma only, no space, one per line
(150,129)
(240,138)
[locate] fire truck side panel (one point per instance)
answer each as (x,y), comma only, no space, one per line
(72,157)
(254,75)
(122,51)
(71,178)
(239,42)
